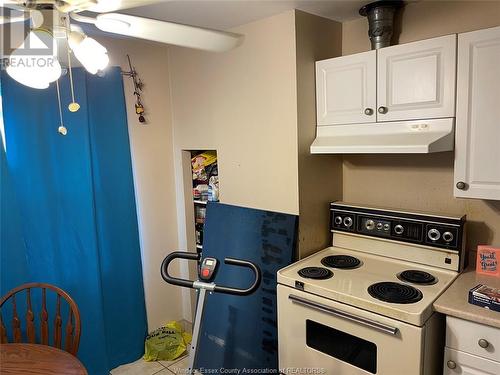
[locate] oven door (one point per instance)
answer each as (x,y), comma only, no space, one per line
(327,337)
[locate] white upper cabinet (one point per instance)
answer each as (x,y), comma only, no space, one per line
(417,80)
(412,81)
(346,89)
(477,140)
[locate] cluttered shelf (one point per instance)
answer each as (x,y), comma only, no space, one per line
(205,188)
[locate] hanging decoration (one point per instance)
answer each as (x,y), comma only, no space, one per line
(138,86)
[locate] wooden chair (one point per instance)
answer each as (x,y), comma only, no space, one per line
(72,329)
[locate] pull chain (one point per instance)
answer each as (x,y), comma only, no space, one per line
(62,129)
(73,106)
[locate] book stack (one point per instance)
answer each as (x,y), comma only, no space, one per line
(485,296)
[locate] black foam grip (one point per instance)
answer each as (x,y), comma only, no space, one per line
(166,262)
(241,292)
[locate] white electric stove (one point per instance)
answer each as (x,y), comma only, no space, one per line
(364,305)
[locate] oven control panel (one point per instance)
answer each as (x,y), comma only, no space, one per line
(429,230)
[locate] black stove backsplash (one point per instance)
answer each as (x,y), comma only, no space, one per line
(414,228)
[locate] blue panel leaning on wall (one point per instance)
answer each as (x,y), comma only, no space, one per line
(76,202)
(240,332)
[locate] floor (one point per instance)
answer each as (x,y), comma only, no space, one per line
(141,367)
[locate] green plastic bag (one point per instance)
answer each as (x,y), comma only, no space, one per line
(166,343)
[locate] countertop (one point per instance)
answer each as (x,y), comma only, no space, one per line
(454,301)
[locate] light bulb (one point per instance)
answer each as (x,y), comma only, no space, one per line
(89,52)
(39,68)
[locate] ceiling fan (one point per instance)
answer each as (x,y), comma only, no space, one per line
(45,30)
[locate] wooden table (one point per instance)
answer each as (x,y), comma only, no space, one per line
(34,359)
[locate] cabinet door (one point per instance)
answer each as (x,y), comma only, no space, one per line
(466,336)
(477,138)
(346,89)
(461,363)
(417,80)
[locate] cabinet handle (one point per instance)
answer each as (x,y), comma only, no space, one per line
(451,364)
(368,111)
(382,109)
(461,185)
(483,343)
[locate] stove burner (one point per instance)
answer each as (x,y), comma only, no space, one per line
(341,261)
(318,273)
(417,277)
(395,292)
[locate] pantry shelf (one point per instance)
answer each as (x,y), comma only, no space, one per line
(205,185)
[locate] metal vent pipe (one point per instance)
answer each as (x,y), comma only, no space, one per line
(380,16)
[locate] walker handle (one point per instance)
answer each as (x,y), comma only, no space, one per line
(219,289)
(166,262)
(237,291)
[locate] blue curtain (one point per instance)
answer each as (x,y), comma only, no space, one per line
(68,210)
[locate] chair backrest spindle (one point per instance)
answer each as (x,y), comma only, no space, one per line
(58,324)
(44,319)
(16,323)
(69,333)
(30,318)
(3,332)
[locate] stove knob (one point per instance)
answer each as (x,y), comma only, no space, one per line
(448,236)
(370,224)
(451,364)
(338,220)
(348,222)
(483,343)
(434,234)
(399,229)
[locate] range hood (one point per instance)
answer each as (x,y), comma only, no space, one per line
(348,86)
(405,137)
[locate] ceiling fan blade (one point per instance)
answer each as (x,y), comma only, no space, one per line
(168,32)
(103,6)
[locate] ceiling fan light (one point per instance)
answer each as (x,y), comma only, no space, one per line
(36,71)
(35,78)
(89,52)
(75,38)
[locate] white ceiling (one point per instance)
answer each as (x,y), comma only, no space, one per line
(225,14)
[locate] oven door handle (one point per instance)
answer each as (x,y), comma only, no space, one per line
(345,315)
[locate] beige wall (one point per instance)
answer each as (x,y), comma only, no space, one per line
(243,104)
(320,176)
(422,182)
(152,162)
